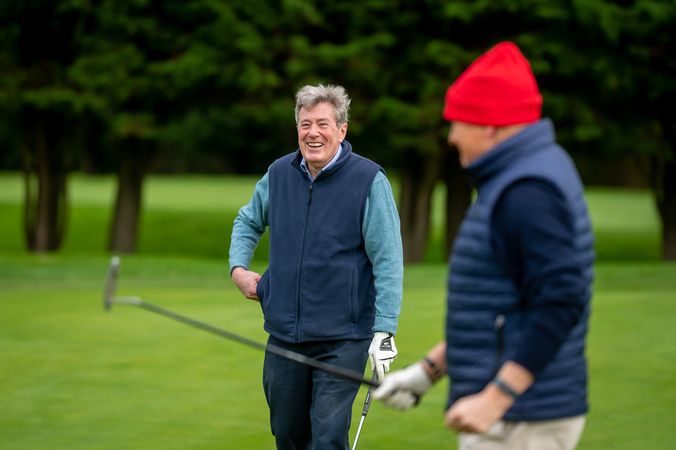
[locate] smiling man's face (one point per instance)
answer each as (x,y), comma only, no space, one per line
(319,135)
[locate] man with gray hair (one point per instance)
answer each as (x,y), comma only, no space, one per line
(332,290)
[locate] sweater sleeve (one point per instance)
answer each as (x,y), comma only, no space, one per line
(533,235)
(249,226)
(382,237)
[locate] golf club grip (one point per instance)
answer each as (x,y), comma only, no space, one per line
(367,403)
(275,350)
(367,400)
(111,282)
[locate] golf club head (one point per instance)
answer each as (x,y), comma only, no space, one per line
(111,283)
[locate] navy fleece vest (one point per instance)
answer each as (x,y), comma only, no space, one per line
(319,283)
(482,294)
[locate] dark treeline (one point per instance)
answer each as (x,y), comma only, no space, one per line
(132,86)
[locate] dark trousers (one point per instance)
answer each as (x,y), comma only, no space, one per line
(311,409)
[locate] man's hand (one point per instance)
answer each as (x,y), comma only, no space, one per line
(403,388)
(477,413)
(381,353)
(246,281)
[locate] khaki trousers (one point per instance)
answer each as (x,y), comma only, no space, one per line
(561,434)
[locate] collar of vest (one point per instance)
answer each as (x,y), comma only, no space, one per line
(346,152)
(531,139)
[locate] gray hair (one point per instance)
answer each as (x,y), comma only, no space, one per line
(308,96)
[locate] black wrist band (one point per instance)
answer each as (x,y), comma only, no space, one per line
(505,388)
(436,372)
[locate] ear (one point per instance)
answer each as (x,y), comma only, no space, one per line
(491,132)
(342,130)
(492,135)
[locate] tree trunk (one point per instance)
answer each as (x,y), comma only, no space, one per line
(419,174)
(45,186)
(666,206)
(665,174)
(135,157)
(458,195)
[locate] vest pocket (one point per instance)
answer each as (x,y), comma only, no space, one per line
(262,288)
(499,327)
(354,300)
(327,303)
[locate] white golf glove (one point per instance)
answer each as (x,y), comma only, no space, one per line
(381,353)
(403,389)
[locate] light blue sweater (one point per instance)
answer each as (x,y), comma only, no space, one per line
(382,238)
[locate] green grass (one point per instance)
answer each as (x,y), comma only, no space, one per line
(189,215)
(74,377)
(192,216)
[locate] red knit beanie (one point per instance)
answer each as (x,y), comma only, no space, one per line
(497,89)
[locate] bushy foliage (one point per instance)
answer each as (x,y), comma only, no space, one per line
(213,81)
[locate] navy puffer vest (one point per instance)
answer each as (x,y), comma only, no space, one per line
(319,283)
(481,294)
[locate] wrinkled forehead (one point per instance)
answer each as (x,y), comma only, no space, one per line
(316,112)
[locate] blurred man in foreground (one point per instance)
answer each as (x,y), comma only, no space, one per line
(520,274)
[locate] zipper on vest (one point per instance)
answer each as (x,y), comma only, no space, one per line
(300,261)
(499,327)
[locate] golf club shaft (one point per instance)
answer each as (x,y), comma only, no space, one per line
(275,350)
(365,410)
